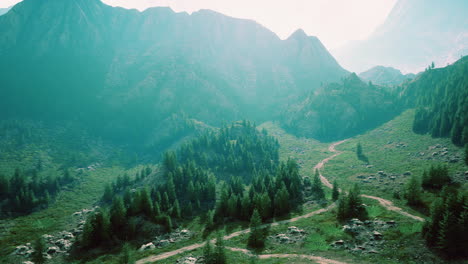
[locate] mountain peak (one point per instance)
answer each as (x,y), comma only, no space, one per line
(298,34)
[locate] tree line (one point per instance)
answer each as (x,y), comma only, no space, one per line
(23,192)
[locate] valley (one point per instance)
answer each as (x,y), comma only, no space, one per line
(133,136)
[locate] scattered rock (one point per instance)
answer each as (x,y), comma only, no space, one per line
(21,250)
(377,235)
(148,246)
(338,243)
(187,260)
(64,244)
(52,250)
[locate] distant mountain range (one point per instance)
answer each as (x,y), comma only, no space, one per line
(386,76)
(416,33)
(4,10)
(122,70)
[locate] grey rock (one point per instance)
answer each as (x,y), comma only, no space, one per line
(148,246)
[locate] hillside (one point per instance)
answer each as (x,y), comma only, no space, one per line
(441,97)
(134,69)
(340,110)
(385,76)
(415,34)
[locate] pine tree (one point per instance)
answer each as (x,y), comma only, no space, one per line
(355,207)
(342,210)
(282,201)
(413,192)
(255,239)
(317,188)
(335,191)
(208,252)
(219,251)
(176,210)
(466,153)
(118,218)
(126,256)
(170,188)
(108,194)
(39,247)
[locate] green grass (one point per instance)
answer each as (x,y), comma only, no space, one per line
(307,152)
(58,216)
(387,157)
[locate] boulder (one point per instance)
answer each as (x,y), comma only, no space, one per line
(187,260)
(355,221)
(377,235)
(63,244)
(163,243)
(21,250)
(148,246)
(28,262)
(338,243)
(408,173)
(47,237)
(67,235)
(185,232)
(52,250)
(284,239)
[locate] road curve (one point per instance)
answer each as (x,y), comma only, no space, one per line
(385,203)
(316,259)
(169,254)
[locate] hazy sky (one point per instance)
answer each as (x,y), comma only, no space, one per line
(334,21)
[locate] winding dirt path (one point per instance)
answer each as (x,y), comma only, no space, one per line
(317,259)
(389,206)
(232,235)
(332,148)
(385,203)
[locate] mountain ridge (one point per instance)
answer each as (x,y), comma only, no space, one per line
(399,41)
(135,69)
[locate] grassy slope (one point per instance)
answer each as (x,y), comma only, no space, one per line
(380,146)
(58,215)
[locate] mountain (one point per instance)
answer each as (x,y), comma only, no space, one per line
(341,110)
(4,10)
(416,33)
(386,76)
(441,98)
(121,72)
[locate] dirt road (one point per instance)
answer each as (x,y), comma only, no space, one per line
(317,259)
(385,203)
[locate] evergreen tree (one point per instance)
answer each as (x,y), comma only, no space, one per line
(317,188)
(176,210)
(255,239)
(126,256)
(360,154)
(342,210)
(219,251)
(108,194)
(208,252)
(413,192)
(118,218)
(282,201)
(39,248)
(466,153)
(335,191)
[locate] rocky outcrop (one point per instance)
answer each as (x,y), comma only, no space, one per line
(367,236)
